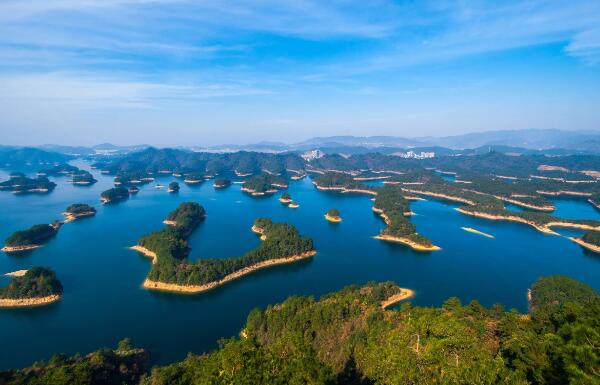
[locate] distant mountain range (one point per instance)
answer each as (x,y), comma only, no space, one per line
(529,141)
(523,140)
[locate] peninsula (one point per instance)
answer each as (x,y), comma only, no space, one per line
(168,248)
(38,286)
(590,241)
(393,208)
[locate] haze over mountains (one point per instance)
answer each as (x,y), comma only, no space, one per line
(550,141)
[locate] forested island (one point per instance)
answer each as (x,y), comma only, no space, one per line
(391,205)
(31,238)
(590,240)
(348,337)
(263,184)
(285,198)
(114,195)
(38,286)
(78,210)
(173,187)
(168,248)
(221,183)
(339,181)
(20,184)
(78,176)
(333,215)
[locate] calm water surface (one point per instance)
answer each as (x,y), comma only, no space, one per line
(103,301)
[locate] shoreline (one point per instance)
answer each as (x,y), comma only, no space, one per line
(405,241)
(172,287)
(333,219)
(69,217)
(394,299)
(28,302)
(586,245)
(475,231)
(345,190)
(285,201)
(16,249)
(442,196)
(525,205)
(16,273)
(170,223)
(146,252)
(258,193)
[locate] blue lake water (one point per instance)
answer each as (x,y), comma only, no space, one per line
(103,301)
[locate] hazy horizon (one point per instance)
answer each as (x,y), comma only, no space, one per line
(169,73)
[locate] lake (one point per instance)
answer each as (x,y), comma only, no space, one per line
(103,301)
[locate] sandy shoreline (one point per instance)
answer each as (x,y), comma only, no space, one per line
(69,217)
(170,223)
(17,273)
(510,218)
(162,286)
(333,219)
(475,231)
(394,299)
(146,252)
(443,196)
(345,190)
(525,205)
(16,249)
(583,243)
(28,302)
(408,242)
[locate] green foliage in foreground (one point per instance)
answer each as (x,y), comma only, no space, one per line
(37,282)
(35,235)
(125,365)
(78,208)
(346,338)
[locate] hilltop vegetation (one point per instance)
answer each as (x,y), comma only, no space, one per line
(37,282)
(19,183)
(35,235)
(263,183)
(347,338)
(80,208)
(114,194)
(170,246)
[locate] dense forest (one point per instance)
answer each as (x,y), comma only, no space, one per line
(123,365)
(338,180)
(35,235)
(264,183)
(281,241)
(592,237)
(114,194)
(37,282)
(390,200)
(347,338)
(80,208)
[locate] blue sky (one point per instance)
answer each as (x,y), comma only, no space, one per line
(205,72)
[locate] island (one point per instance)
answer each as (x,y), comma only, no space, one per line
(193,178)
(172,272)
(263,184)
(38,286)
(31,238)
(222,183)
(342,182)
(113,195)
(173,187)
(393,208)
(333,215)
(20,184)
(83,178)
(78,210)
(589,240)
(293,205)
(285,198)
